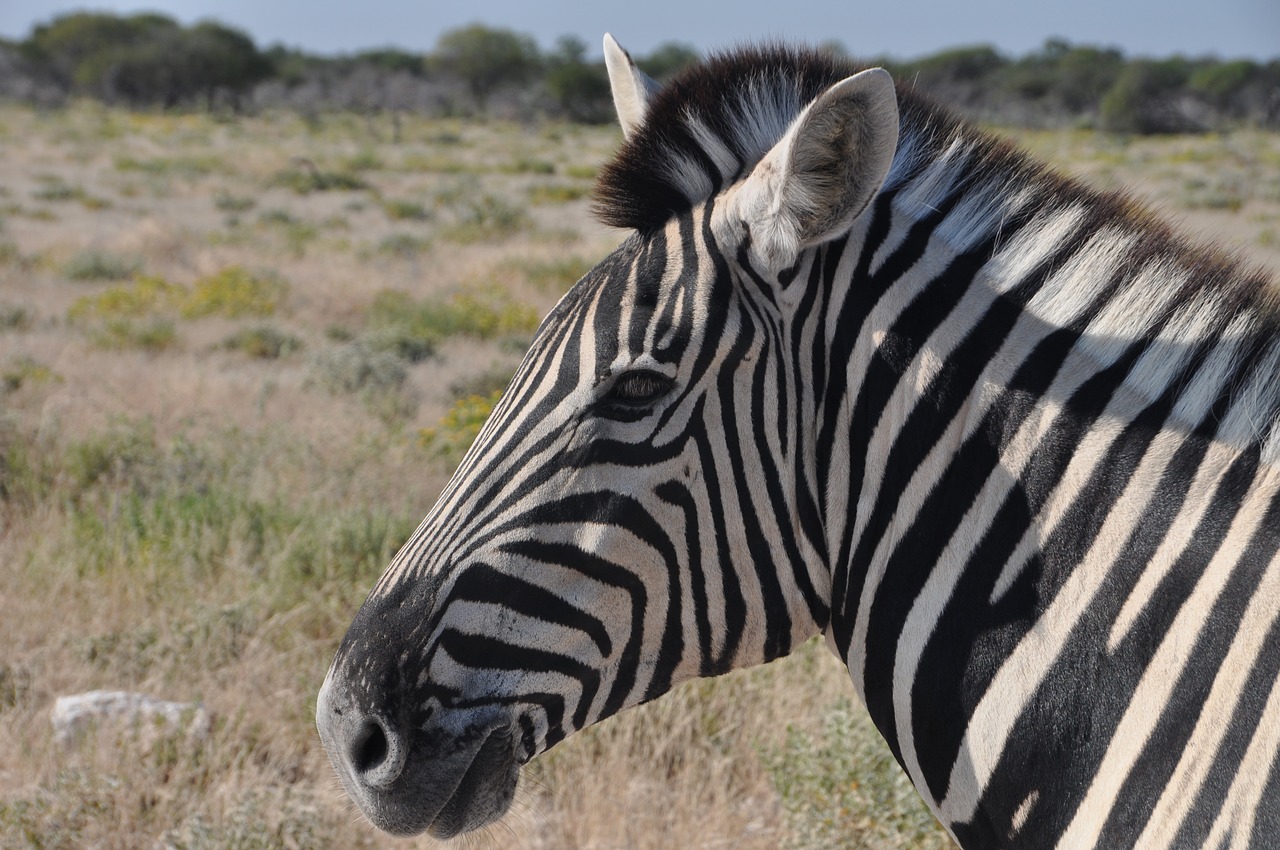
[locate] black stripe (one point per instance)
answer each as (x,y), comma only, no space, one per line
(1245,720)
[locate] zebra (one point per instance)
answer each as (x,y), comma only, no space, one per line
(860,370)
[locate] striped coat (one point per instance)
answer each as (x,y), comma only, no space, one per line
(861,370)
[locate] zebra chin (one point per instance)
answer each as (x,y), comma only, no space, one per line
(456,773)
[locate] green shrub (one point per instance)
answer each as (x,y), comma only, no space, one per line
(458,428)
(486,315)
(228,202)
(127,453)
(1141,101)
(404,246)
(1220,82)
(556,193)
(143,296)
(58,191)
(487,218)
(481,384)
(366,160)
(377,377)
(23,371)
(14,317)
(155,334)
(405,210)
(843,781)
(263,342)
(234,292)
(404,341)
(296,232)
(185,166)
(555,275)
(529,165)
(100,265)
(307,178)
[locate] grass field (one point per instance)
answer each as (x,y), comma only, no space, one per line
(238,359)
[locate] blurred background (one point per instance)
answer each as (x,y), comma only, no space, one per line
(266,267)
(1140,66)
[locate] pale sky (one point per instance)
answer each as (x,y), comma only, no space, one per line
(897,28)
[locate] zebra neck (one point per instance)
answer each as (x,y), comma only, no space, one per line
(981,293)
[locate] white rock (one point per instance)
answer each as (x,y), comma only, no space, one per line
(73,715)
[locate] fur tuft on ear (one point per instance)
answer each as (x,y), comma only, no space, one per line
(824,171)
(632,88)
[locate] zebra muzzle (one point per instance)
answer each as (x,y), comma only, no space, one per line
(456,774)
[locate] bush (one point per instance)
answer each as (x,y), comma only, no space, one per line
(14,317)
(1221,82)
(56,190)
(486,58)
(486,218)
(100,265)
(151,335)
(23,371)
(143,296)
(405,246)
(844,781)
(556,193)
(457,430)
(580,90)
(234,292)
(377,377)
(481,315)
(263,342)
(481,384)
(228,202)
(553,275)
(667,60)
(405,210)
(148,59)
(306,178)
(1143,98)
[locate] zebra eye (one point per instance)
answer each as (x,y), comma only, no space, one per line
(634,391)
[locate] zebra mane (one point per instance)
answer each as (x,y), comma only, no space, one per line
(714,121)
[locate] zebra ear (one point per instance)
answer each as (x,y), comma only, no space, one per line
(824,172)
(632,88)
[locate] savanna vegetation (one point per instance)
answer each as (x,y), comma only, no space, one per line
(149,60)
(239,356)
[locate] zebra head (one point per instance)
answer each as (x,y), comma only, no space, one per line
(640,508)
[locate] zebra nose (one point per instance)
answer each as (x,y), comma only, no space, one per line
(367,748)
(376,754)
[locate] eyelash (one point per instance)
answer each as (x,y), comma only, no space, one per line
(633,393)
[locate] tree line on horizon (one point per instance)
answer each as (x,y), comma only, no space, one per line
(151,61)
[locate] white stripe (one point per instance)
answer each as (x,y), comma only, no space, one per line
(1026,667)
(1200,497)
(1000,274)
(1156,686)
(1240,809)
(1182,789)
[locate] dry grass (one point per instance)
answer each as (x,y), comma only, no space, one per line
(200,476)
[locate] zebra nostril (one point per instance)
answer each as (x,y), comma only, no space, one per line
(370,748)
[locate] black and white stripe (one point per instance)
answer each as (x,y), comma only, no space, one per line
(861,370)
